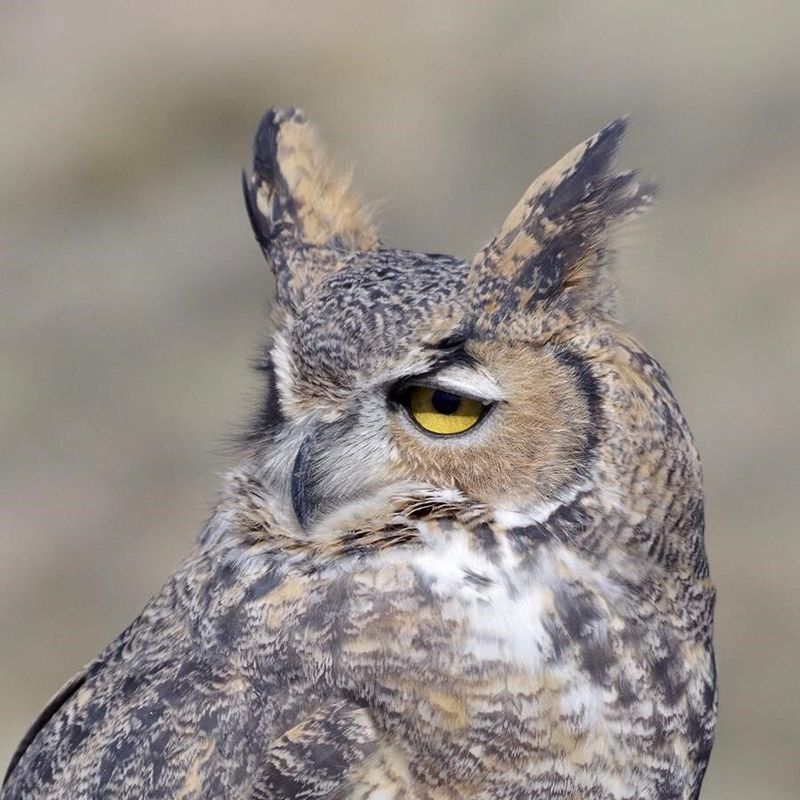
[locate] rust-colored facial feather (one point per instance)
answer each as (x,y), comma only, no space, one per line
(529,446)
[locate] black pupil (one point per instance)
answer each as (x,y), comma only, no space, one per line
(444,402)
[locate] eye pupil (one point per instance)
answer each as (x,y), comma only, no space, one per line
(444,402)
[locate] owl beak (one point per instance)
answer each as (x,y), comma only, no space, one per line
(331,469)
(305,499)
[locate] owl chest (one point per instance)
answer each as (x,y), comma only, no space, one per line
(507,668)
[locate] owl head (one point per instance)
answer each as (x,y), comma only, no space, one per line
(505,378)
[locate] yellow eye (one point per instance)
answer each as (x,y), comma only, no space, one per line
(441,412)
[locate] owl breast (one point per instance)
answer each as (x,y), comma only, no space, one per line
(482,652)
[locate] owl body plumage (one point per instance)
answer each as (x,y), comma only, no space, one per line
(373,611)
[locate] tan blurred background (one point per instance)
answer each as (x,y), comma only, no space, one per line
(132,293)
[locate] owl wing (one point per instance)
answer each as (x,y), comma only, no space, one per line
(54,705)
(334,752)
(177,707)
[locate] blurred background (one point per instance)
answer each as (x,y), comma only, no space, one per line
(132,294)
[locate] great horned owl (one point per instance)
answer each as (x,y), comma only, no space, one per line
(462,556)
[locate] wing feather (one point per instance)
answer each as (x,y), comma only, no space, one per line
(48,712)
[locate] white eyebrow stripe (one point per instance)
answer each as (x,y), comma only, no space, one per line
(471,381)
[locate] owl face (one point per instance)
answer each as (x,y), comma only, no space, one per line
(391,367)
(381,379)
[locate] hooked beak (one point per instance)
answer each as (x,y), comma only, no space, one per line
(305,502)
(333,467)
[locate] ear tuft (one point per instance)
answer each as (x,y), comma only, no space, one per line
(295,187)
(553,244)
(301,206)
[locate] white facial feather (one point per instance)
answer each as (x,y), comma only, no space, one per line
(474,382)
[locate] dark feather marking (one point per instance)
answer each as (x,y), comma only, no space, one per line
(574,189)
(668,674)
(476,578)
(263,585)
(303,503)
(270,417)
(253,214)
(579,613)
(451,342)
(486,539)
(267,170)
(590,388)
